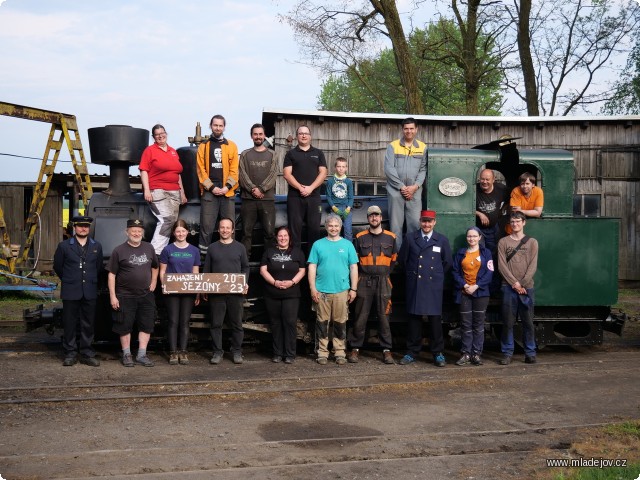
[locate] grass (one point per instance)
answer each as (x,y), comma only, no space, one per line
(630,429)
(618,441)
(614,473)
(629,302)
(13,303)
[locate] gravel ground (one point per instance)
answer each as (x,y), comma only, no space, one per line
(357,421)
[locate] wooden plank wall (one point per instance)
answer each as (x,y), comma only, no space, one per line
(12,202)
(606,156)
(12,199)
(51,233)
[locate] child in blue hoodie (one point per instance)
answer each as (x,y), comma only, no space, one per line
(340,195)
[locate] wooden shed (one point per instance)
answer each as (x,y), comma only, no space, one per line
(15,200)
(606,154)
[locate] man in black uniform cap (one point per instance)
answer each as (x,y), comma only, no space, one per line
(77,262)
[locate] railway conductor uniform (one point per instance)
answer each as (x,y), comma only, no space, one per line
(77,262)
(426,256)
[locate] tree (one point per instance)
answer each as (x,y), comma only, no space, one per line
(475,46)
(375,85)
(626,96)
(335,36)
(526,59)
(572,43)
(554,53)
(342,39)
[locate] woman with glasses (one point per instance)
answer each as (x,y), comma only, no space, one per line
(282,267)
(160,170)
(472,274)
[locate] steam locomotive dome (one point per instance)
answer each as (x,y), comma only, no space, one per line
(119,147)
(115,144)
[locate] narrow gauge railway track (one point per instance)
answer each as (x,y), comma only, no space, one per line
(308,384)
(458,449)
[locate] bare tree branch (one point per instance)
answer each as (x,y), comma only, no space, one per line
(572,46)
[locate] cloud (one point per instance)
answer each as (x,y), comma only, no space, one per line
(144,62)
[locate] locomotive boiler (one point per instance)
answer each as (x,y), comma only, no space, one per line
(576,280)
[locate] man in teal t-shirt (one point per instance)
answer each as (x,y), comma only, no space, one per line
(333,279)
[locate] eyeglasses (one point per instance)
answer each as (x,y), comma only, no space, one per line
(304,134)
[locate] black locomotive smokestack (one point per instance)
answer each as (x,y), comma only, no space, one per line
(119,147)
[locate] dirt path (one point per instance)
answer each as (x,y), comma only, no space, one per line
(304,420)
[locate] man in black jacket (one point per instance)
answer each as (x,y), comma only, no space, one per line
(77,262)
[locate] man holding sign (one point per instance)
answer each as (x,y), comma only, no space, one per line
(226,256)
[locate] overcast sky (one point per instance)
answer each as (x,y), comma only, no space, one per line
(141,62)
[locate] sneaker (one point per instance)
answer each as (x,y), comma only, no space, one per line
(183,359)
(464,359)
(322,360)
(341,360)
(387,357)
(476,360)
(173,358)
(439,360)
(276,359)
(216,359)
(352,357)
(530,359)
(407,359)
(506,360)
(289,360)
(237,358)
(91,361)
(127,360)
(144,361)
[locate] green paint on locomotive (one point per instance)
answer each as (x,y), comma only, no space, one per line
(578,256)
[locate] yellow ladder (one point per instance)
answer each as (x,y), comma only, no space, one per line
(62,125)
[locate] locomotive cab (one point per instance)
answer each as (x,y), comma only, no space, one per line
(576,279)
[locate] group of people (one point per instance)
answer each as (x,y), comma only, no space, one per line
(340,270)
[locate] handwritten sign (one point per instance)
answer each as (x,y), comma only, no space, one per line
(204,283)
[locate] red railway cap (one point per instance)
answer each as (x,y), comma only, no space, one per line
(428,214)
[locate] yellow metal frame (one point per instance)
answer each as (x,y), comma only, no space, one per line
(62,124)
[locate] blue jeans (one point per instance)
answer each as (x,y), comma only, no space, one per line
(347,225)
(490,237)
(512,308)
